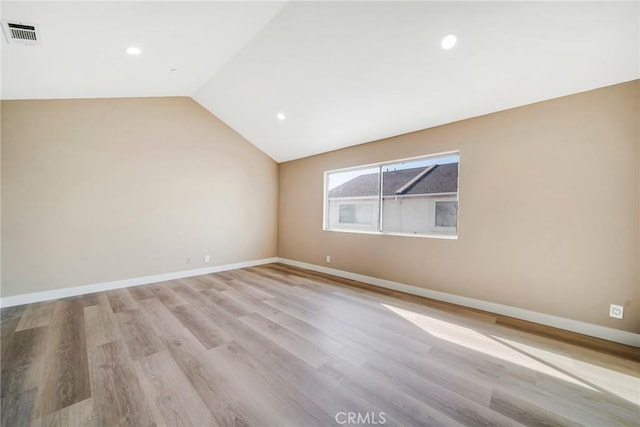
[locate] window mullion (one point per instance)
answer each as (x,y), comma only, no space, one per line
(380,194)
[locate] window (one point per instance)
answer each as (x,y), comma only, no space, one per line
(353,206)
(347,214)
(446,214)
(410,197)
(355,214)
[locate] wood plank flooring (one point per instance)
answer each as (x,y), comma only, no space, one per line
(279,346)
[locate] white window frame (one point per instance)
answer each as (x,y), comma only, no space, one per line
(381,165)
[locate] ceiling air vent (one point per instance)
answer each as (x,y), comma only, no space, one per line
(21,33)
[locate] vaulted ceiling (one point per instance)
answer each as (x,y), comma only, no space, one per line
(342,73)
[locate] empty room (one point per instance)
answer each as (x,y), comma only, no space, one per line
(320,213)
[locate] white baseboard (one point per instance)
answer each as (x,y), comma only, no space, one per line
(125,283)
(616,335)
(584,328)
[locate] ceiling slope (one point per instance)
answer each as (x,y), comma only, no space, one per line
(352,72)
(82,52)
(343,73)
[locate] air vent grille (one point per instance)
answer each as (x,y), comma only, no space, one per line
(21,33)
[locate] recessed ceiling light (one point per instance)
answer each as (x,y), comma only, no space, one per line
(134,50)
(449,41)
(281,116)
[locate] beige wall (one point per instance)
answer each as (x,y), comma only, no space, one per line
(101,190)
(548,211)
(549,220)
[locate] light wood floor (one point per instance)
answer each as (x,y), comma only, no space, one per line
(278,346)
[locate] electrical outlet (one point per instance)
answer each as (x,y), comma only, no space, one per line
(328,259)
(616,311)
(188,259)
(207,258)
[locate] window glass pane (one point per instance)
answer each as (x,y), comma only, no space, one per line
(364,214)
(352,199)
(418,196)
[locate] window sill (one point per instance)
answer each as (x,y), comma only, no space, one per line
(381,233)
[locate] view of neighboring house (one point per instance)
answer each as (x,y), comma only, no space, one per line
(420,200)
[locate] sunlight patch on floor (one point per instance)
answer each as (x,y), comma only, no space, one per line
(476,341)
(620,384)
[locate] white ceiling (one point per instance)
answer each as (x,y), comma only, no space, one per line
(82,53)
(344,73)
